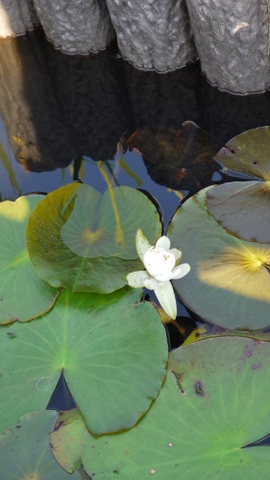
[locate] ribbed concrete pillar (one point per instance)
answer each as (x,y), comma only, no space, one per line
(232,40)
(76,26)
(152,34)
(16,16)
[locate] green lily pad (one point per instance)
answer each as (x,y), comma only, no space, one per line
(229,281)
(248,154)
(66,439)
(84,241)
(25,451)
(212,405)
(113,351)
(243,208)
(23,295)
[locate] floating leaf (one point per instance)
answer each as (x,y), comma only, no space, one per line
(25,451)
(248,153)
(66,439)
(212,405)
(84,241)
(23,295)
(243,208)
(229,281)
(112,349)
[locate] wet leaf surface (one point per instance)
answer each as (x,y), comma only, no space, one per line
(23,295)
(113,351)
(84,241)
(229,281)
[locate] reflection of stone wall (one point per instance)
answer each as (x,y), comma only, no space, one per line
(57,107)
(29,107)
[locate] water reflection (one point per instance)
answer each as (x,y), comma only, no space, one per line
(57,108)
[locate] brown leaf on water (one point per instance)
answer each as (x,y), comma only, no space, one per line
(180,158)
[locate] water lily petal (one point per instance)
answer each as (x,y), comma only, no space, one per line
(180,271)
(158,261)
(163,242)
(142,244)
(151,283)
(137,279)
(165,295)
(164,276)
(177,254)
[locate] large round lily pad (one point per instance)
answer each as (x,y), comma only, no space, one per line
(248,154)
(229,281)
(243,208)
(25,451)
(84,241)
(113,351)
(23,295)
(212,405)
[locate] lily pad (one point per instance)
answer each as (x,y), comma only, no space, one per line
(211,407)
(25,449)
(84,241)
(243,208)
(229,281)
(23,294)
(66,439)
(248,153)
(113,351)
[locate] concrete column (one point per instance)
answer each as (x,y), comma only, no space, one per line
(16,16)
(152,34)
(232,40)
(76,26)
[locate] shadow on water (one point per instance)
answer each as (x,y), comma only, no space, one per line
(57,107)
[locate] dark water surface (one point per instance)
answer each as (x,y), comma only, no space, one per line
(62,114)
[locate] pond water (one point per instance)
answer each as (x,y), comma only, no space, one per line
(62,115)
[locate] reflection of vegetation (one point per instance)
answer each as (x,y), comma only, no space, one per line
(139,412)
(11,175)
(119,232)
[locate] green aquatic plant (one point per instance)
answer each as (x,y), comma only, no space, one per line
(140,412)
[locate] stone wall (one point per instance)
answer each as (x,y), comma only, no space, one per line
(231,38)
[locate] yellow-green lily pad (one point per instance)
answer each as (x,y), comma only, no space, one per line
(23,295)
(83,241)
(248,153)
(229,281)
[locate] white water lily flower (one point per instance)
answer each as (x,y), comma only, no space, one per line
(161,265)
